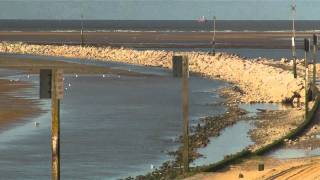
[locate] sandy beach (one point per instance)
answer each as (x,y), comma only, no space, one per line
(13,109)
(293,169)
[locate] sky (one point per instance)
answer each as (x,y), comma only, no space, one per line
(158,9)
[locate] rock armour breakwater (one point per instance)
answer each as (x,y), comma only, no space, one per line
(258,81)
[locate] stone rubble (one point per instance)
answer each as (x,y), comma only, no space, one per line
(258,81)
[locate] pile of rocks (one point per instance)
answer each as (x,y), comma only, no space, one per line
(259,82)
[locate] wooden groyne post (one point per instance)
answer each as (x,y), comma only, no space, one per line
(177,66)
(314,59)
(57,94)
(180,68)
(51,86)
(306,84)
(185,112)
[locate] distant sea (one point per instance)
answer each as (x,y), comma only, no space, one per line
(157,25)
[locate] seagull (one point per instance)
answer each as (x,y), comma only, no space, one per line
(119,76)
(28,76)
(151,166)
(36,124)
(76,75)
(103,76)
(69,85)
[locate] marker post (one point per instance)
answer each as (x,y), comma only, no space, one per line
(306,84)
(51,86)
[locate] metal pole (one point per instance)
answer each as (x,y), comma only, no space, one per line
(82,35)
(214,37)
(315,50)
(293,8)
(185,114)
(55,130)
(306,50)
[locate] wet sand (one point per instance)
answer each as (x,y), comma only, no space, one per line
(161,39)
(30,65)
(14,109)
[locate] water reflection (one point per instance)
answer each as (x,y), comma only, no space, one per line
(111,127)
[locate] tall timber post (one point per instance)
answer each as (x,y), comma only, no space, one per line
(57,94)
(185,106)
(180,68)
(51,86)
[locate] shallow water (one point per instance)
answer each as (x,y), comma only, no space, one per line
(233,139)
(117,126)
(288,153)
(111,127)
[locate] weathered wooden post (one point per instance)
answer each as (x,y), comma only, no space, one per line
(57,94)
(51,86)
(293,39)
(306,50)
(180,68)
(185,112)
(315,52)
(177,66)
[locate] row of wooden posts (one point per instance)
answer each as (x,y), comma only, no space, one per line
(51,87)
